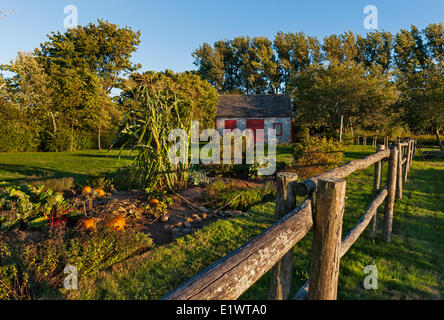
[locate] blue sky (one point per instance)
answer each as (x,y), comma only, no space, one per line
(171,30)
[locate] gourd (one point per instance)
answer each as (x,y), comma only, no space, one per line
(86,190)
(154,202)
(100,193)
(88,224)
(117,223)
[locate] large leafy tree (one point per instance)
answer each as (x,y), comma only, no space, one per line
(325,94)
(102,50)
(295,53)
(419,58)
(30,88)
(377,49)
(78,93)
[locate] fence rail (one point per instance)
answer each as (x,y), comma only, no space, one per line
(231,276)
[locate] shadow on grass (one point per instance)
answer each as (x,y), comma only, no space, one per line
(37,174)
(104,156)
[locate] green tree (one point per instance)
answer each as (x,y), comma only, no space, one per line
(103,50)
(325,94)
(419,58)
(30,88)
(295,52)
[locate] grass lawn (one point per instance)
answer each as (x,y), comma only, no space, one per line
(16,167)
(410,267)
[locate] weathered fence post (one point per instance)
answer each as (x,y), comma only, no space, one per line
(327,233)
(285,202)
(399,174)
(390,200)
(376,190)
(415,142)
(408,161)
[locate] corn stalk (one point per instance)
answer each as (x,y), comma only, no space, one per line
(152,114)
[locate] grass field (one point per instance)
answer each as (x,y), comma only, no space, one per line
(410,267)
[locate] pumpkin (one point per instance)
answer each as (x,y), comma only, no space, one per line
(100,193)
(117,223)
(154,202)
(88,224)
(86,190)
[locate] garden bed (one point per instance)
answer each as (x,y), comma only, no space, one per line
(80,229)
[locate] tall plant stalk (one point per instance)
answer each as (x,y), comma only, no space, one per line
(152,114)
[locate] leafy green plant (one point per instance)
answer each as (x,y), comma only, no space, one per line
(198,176)
(25,203)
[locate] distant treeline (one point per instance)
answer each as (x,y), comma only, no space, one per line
(367,79)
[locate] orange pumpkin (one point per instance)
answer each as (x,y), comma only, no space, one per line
(100,193)
(86,190)
(117,223)
(154,202)
(88,224)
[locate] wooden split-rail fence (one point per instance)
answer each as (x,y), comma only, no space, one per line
(231,276)
(364,140)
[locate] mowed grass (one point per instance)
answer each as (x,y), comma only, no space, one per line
(18,167)
(410,267)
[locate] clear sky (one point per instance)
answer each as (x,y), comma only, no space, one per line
(171,30)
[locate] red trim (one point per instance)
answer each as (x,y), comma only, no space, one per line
(281,132)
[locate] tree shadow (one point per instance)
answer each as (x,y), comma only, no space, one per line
(105,156)
(33,173)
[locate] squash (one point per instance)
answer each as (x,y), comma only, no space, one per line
(88,224)
(86,190)
(100,193)
(117,223)
(154,202)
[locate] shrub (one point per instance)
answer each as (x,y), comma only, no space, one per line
(18,136)
(300,133)
(316,155)
(428,140)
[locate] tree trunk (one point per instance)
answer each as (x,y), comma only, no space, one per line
(340,131)
(54,124)
(72,137)
(98,138)
(439,140)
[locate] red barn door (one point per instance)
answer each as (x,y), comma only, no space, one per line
(255,124)
(230,124)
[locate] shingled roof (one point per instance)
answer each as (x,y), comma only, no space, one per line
(254,106)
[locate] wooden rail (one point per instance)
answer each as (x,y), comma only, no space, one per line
(231,276)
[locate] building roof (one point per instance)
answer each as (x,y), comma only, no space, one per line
(254,106)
